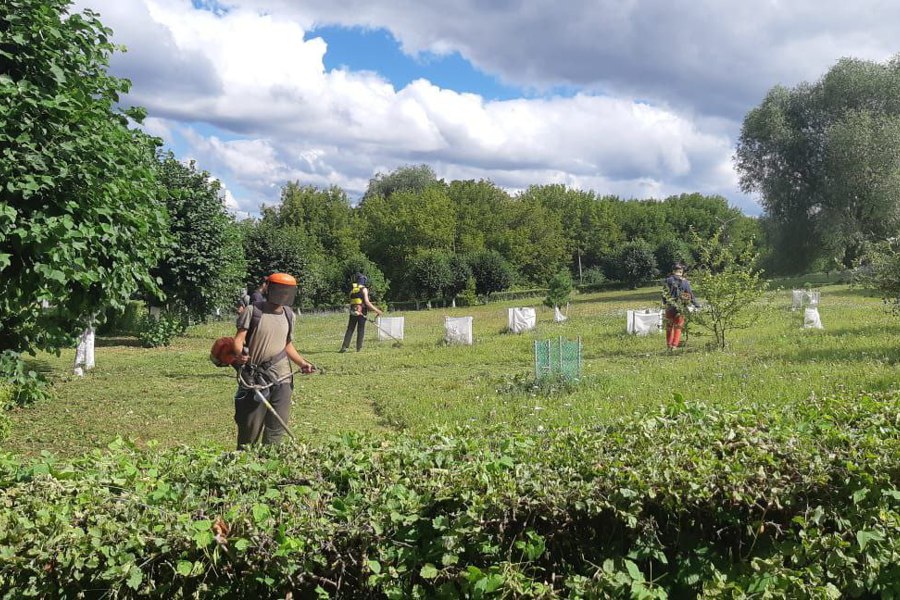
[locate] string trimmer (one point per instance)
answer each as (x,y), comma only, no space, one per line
(259,387)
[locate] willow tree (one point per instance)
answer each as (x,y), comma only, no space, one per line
(825,159)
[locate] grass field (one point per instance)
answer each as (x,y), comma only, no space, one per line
(174,395)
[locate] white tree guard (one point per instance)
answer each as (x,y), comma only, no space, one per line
(811,318)
(84,354)
(390,325)
(521,319)
(558,316)
(644,322)
(155,311)
(458,330)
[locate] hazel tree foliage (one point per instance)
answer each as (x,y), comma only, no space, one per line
(81,223)
(730,287)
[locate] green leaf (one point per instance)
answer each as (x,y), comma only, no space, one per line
(261,513)
(241,544)
(634,571)
(374,566)
(202,525)
(864,537)
(429,571)
(184,567)
(135,577)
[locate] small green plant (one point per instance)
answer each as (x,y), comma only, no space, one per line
(468,297)
(593,276)
(881,271)
(159,331)
(525,384)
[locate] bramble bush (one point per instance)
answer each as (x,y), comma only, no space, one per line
(692,501)
(22,385)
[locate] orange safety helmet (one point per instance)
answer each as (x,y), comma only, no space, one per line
(282,289)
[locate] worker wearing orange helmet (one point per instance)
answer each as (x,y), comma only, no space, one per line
(264,346)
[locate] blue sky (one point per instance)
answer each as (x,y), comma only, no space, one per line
(640,100)
(376,50)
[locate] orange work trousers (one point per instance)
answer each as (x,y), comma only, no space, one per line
(674,325)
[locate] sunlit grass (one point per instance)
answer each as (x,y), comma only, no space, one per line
(176,396)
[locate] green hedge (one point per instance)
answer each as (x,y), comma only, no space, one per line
(126,321)
(797,502)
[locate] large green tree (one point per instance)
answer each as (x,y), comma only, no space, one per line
(533,240)
(481,209)
(324,214)
(409,178)
(401,226)
(271,249)
(825,159)
(204,266)
(588,227)
(81,224)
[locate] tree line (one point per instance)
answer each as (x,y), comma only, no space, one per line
(419,237)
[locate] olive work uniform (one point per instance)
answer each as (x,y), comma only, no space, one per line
(254,421)
(357,319)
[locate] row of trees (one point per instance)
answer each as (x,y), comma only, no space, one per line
(91,213)
(428,238)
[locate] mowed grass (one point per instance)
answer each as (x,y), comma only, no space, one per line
(175,396)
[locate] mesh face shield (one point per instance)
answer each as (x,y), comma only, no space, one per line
(280,293)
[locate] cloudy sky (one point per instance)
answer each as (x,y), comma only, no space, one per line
(640,98)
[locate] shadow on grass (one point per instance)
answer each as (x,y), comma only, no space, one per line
(108,342)
(41,366)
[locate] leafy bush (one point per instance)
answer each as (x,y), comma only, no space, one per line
(160,331)
(127,320)
(429,275)
(593,276)
(492,272)
(674,250)
(634,264)
(691,501)
(881,271)
(341,282)
(22,385)
(468,296)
